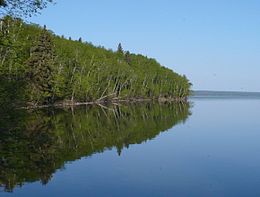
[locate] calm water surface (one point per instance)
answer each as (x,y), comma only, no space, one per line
(210,148)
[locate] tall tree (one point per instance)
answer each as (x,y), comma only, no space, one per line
(41,64)
(120,49)
(21,8)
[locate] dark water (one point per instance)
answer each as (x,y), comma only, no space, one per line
(210,148)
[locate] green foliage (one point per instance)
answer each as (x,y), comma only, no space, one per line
(57,69)
(10,90)
(21,8)
(41,69)
(128,57)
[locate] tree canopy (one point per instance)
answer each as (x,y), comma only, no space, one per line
(40,65)
(22,8)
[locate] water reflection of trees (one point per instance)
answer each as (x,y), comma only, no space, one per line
(33,145)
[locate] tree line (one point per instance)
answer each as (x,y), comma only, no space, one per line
(39,67)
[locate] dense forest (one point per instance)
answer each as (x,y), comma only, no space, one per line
(34,145)
(38,67)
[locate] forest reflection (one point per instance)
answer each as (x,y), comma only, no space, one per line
(35,144)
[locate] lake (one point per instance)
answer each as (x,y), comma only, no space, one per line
(209,147)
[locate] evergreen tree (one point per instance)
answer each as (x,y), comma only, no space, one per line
(120,49)
(40,65)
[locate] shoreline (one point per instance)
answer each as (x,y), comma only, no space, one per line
(105,102)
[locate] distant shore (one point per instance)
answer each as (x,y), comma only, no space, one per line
(223,94)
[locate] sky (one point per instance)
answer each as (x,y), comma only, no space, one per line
(215,43)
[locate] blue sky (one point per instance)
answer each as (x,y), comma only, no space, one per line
(215,43)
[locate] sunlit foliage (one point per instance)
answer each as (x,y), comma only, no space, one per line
(47,68)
